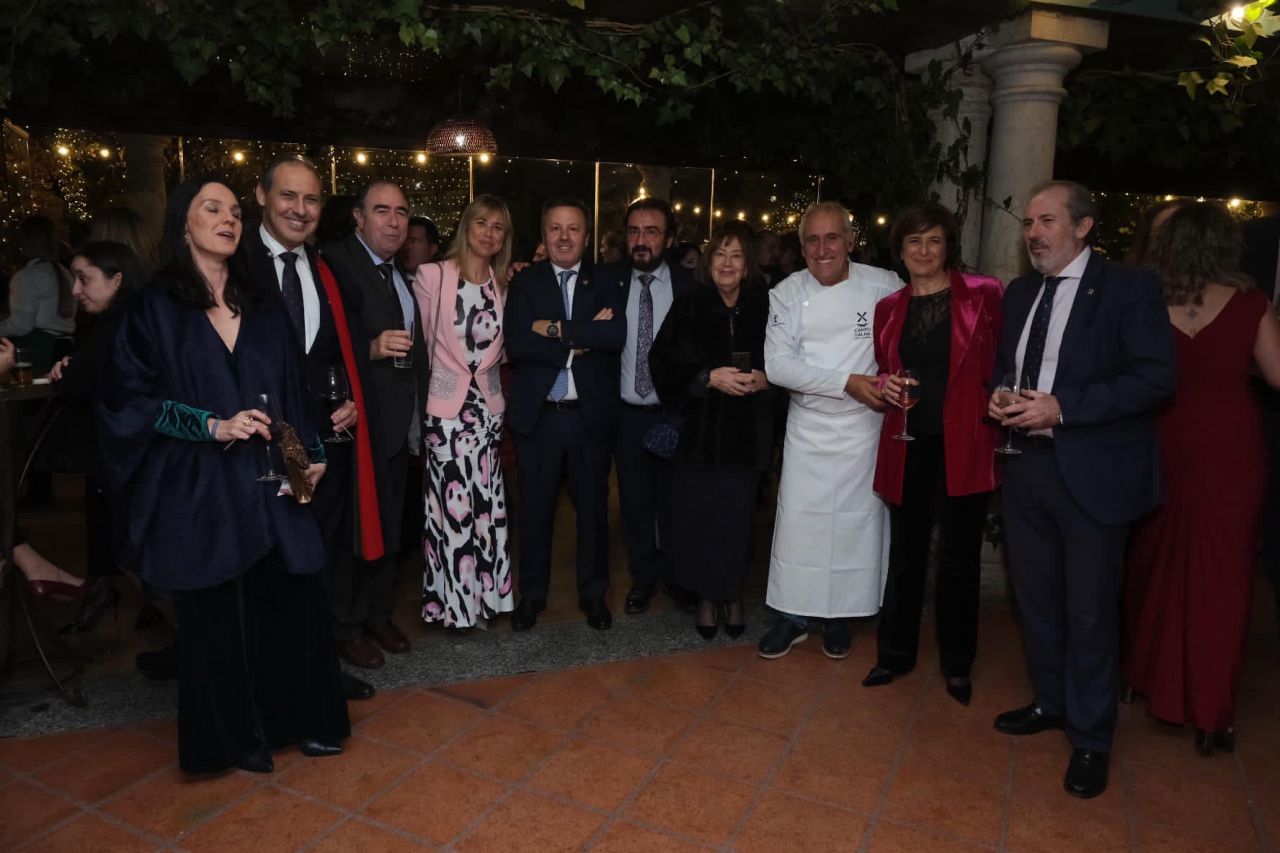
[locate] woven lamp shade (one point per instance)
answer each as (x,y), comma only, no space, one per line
(461,136)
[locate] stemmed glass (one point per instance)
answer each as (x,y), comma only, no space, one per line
(267,404)
(335,394)
(909,397)
(1007,393)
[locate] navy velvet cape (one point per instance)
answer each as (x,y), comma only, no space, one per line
(194,514)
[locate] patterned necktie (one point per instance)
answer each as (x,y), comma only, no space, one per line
(1039,333)
(560,387)
(389,276)
(291,289)
(644,336)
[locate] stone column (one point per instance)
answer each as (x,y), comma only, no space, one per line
(1029,59)
(975,111)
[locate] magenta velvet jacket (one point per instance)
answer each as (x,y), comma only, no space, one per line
(968,439)
(436,284)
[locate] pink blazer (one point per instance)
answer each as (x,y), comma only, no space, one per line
(436,289)
(968,440)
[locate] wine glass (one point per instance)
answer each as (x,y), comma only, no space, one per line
(909,397)
(335,394)
(1007,393)
(266,403)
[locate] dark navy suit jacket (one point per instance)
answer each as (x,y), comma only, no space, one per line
(535,295)
(1115,364)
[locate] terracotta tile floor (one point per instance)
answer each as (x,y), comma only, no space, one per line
(711,749)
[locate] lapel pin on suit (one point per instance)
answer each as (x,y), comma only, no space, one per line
(1089,292)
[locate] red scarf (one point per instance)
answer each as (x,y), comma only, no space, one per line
(369,545)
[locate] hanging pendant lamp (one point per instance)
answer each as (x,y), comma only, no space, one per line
(461,136)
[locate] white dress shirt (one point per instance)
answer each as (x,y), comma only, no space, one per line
(310,296)
(572,393)
(1063,298)
(663,295)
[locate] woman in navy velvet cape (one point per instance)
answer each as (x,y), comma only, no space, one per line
(258,665)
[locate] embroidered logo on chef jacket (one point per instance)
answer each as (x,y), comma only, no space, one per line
(776,320)
(862,328)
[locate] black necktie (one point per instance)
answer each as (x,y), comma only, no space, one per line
(291,288)
(1039,333)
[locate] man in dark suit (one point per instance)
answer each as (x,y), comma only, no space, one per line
(652,285)
(285,268)
(1095,336)
(364,262)
(1261,260)
(564,329)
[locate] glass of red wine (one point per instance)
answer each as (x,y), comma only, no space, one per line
(335,394)
(909,397)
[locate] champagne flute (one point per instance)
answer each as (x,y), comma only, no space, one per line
(335,394)
(1007,393)
(909,397)
(266,403)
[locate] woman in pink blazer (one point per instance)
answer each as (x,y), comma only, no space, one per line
(945,326)
(467,579)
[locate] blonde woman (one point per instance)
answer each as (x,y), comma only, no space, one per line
(467,579)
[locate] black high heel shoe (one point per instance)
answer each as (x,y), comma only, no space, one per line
(707,632)
(97,598)
(1207,742)
(733,630)
(960,689)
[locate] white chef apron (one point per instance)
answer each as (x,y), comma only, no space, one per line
(831,537)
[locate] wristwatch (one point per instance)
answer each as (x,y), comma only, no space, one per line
(704,378)
(553,330)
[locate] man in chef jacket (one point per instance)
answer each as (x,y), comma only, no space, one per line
(831,536)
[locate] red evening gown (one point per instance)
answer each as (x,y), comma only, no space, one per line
(1191,563)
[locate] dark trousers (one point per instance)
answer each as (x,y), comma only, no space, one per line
(99,531)
(960,521)
(1067,571)
(559,442)
(257,668)
(362,592)
(644,482)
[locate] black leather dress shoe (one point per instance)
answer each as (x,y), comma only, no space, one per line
(356,690)
(313,748)
(1087,773)
(598,616)
(257,761)
(638,598)
(877,677)
(1030,720)
(525,616)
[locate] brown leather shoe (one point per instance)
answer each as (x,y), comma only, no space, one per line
(361,652)
(391,638)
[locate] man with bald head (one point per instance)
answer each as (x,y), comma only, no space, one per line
(831,536)
(364,261)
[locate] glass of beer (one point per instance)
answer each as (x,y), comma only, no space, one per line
(22,372)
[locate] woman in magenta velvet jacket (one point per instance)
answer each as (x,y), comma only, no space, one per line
(467,578)
(945,326)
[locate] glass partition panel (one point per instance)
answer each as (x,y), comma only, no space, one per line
(524,183)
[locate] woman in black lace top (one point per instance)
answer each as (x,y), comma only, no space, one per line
(944,326)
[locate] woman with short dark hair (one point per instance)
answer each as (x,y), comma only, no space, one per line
(204,377)
(707,364)
(1190,568)
(944,327)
